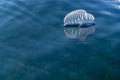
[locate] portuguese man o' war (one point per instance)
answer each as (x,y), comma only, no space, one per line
(79,24)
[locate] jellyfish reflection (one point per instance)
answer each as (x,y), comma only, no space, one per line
(79,24)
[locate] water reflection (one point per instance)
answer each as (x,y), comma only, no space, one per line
(114,3)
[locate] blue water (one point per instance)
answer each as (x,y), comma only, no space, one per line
(33,45)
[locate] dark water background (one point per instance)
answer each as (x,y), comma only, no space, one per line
(33,45)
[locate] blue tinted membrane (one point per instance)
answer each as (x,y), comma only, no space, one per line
(72,25)
(87,25)
(82,26)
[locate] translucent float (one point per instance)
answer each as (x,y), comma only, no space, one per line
(79,24)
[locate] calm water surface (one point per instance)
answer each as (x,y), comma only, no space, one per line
(33,45)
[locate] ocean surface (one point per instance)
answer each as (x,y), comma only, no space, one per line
(33,45)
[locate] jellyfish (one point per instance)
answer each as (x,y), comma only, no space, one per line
(79,24)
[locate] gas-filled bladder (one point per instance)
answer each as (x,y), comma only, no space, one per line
(79,24)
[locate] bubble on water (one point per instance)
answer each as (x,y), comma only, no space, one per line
(79,24)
